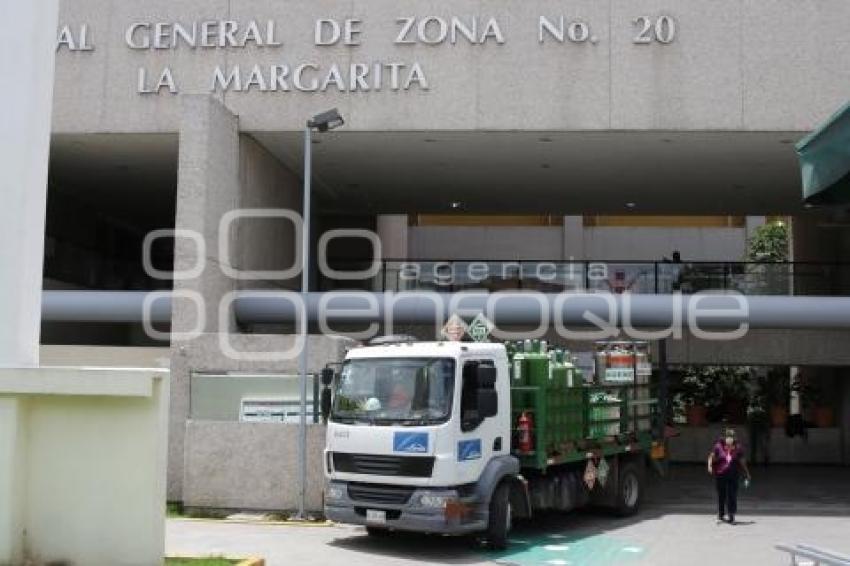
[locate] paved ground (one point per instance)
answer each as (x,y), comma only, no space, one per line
(676,527)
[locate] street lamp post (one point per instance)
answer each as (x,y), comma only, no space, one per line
(322,123)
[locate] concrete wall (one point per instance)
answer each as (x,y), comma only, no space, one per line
(265,244)
(82,466)
(694,244)
(235,465)
(485,242)
(734,65)
(204,354)
(105,356)
(562,243)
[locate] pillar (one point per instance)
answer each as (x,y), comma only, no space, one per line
(27,47)
(752,224)
(573,238)
(392,231)
(207,188)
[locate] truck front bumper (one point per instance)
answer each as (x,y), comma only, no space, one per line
(460,516)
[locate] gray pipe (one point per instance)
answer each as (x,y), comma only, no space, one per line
(102,306)
(509,308)
(518,308)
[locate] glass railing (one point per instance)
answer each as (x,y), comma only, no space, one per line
(749,278)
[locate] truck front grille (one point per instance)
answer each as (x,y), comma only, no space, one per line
(408,466)
(378,493)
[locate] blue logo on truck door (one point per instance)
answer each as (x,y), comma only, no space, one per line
(410,442)
(469,450)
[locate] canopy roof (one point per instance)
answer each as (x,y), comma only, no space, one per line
(825,161)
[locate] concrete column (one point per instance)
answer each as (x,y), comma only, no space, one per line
(392,231)
(752,224)
(27,47)
(207,188)
(573,238)
(221,170)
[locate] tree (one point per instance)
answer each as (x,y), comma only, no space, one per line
(769,243)
(769,247)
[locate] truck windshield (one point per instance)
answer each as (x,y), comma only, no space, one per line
(407,391)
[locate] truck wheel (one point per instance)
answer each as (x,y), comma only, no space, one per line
(499,522)
(629,490)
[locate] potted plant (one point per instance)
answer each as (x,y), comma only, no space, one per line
(733,384)
(816,405)
(694,395)
(776,388)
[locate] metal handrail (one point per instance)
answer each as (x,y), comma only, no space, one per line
(818,556)
(659,277)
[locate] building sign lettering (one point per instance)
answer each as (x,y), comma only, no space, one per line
(397,74)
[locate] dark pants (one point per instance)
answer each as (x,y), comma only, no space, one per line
(727,494)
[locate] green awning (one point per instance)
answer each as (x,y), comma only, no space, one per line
(825,161)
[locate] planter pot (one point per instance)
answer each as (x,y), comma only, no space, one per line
(824,417)
(696,415)
(778,416)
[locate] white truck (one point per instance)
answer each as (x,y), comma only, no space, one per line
(434,437)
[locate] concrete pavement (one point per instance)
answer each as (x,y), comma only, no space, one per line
(677,526)
(581,539)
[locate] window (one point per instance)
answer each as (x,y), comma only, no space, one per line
(469,415)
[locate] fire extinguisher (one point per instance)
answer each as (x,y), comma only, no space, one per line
(525,424)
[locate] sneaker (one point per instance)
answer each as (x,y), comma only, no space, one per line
(731,519)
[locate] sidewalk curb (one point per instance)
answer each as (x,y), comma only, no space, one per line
(242,561)
(311,524)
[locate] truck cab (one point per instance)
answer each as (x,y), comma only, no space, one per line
(419,438)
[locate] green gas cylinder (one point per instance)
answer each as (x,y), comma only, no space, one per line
(537,365)
(557,370)
(519,369)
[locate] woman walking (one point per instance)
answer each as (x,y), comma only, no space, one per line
(725,462)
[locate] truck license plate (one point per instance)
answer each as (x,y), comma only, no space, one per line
(376,516)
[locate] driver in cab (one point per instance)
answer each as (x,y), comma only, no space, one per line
(400,398)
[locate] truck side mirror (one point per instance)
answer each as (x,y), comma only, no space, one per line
(326,404)
(488,403)
(327,376)
(486,376)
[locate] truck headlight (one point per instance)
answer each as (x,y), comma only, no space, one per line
(334,492)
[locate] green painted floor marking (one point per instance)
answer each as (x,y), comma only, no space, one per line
(568,550)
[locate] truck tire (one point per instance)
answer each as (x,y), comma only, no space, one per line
(629,490)
(499,520)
